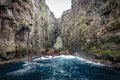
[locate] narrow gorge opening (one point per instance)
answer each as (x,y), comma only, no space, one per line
(78,40)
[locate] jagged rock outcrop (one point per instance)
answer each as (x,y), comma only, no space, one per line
(25,26)
(93,25)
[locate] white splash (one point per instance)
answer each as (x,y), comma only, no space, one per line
(42,58)
(29,66)
(50,57)
(70,57)
(25,69)
(90,62)
(20,71)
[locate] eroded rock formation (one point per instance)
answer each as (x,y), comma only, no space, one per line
(27,28)
(93,25)
(25,25)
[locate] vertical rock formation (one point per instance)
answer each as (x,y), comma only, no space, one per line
(25,26)
(93,25)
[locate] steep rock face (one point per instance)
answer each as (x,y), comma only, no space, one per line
(25,25)
(93,25)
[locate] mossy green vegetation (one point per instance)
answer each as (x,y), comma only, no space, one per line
(83,26)
(49,28)
(4,55)
(20,51)
(43,12)
(111,22)
(59,43)
(108,52)
(25,51)
(115,39)
(65,52)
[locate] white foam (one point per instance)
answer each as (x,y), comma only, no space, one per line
(42,58)
(70,57)
(27,66)
(50,57)
(65,56)
(88,61)
(20,71)
(30,65)
(80,58)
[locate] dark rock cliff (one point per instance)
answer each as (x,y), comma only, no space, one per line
(25,26)
(93,25)
(28,28)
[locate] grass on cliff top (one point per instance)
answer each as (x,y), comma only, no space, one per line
(111,53)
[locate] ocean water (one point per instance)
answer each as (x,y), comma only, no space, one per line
(58,68)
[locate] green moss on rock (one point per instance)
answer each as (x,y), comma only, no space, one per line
(99,51)
(111,22)
(49,28)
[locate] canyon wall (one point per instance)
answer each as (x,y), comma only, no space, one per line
(25,26)
(28,28)
(93,25)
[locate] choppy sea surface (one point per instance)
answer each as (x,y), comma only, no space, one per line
(58,68)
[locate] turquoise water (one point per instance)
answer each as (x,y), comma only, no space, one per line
(58,68)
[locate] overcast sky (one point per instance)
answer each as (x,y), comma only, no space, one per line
(58,6)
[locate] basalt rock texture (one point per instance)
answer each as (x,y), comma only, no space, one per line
(25,26)
(93,25)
